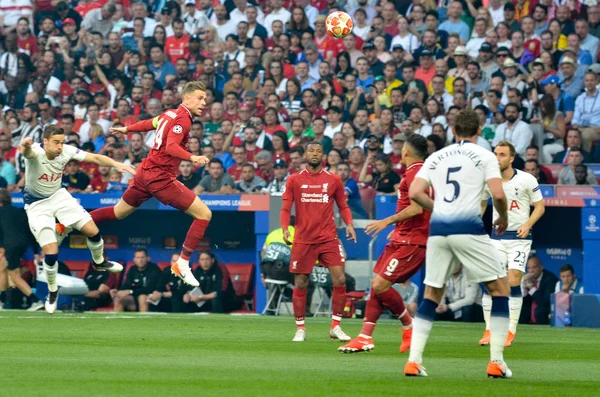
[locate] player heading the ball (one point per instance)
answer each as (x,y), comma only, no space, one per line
(157,176)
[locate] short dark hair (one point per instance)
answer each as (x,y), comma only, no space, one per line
(314,143)
(33,107)
(246,165)
(418,145)
(141,250)
(567,268)
(537,163)
(215,161)
(68,116)
(297,149)
(52,130)
(466,123)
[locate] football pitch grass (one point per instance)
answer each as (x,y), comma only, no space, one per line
(106,354)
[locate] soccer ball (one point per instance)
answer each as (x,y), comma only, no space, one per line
(339,24)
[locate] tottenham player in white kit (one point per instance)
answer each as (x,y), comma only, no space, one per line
(459,174)
(46,200)
(522,192)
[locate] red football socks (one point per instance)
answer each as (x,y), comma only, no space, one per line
(193,237)
(103,214)
(372,313)
(299,304)
(393,301)
(338,303)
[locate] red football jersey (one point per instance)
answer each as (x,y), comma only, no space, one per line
(414,230)
(313,196)
(173,126)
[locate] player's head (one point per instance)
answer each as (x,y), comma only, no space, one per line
(414,149)
(194,97)
(466,124)
(505,153)
(314,154)
(54,139)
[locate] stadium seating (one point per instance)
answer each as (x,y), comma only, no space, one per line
(78,268)
(241,275)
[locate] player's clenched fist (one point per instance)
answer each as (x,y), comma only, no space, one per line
(202,160)
(27,142)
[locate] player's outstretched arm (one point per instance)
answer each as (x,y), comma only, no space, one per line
(107,161)
(418,193)
(26,149)
(499,200)
(538,211)
(140,126)
(411,211)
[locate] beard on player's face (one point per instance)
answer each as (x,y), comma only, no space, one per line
(314,161)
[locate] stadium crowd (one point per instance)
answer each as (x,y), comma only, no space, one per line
(277,81)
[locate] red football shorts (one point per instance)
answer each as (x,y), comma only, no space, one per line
(166,188)
(399,262)
(304,256)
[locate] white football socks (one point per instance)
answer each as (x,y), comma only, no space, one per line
(514,304)
(97,250)
(421,329)
(51,272)
(486,303)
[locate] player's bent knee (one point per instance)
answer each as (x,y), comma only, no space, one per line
(380,285)
(339,281)
(514,277)
(199,210)
(90,229)
(301,281)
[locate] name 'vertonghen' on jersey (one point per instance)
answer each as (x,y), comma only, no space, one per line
(43,177)
(458,174)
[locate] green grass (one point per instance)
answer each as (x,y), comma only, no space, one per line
(104,354)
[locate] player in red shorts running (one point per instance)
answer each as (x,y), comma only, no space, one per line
(402,257)
(313,191)
(157,176)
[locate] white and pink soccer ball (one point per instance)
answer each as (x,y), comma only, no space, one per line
(339,24)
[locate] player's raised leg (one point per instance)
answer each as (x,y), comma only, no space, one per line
(338,302)
(382,295)
(96,245)
(202,216)
(116,212)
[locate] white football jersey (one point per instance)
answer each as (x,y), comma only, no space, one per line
(459,175)
(43,177)
(521,192)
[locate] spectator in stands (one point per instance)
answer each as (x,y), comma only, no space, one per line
(217,181)
(587,111)
(99,283)
(567,175)
(218,142)
(572,139)
(264,164)
(296,157)
(514,130)
(250,183)
(280,175)
(462,300)
(239,156)
(140,281)
(582,176)
(568,282)
(538,285)
(352,192)
(7,170)
(100,181)
(533,167)
(410,295)
(75,180)
(385,180)
(215,293)
(186,175)
(137,152)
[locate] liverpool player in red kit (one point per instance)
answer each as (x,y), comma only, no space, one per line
(314,191)
(402,257)
(157,176)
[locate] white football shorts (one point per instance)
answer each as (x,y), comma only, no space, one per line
(41,215)
(515,252)
(481,261)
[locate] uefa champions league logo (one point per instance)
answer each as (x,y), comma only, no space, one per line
(592,227)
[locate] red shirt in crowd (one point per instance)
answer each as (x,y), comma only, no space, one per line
(98,184)
(177,48)
(83,9)
(29,45)
(235,171)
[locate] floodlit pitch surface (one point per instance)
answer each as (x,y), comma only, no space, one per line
(106,354)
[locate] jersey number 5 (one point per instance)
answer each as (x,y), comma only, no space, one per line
(160,130)
(450,181)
